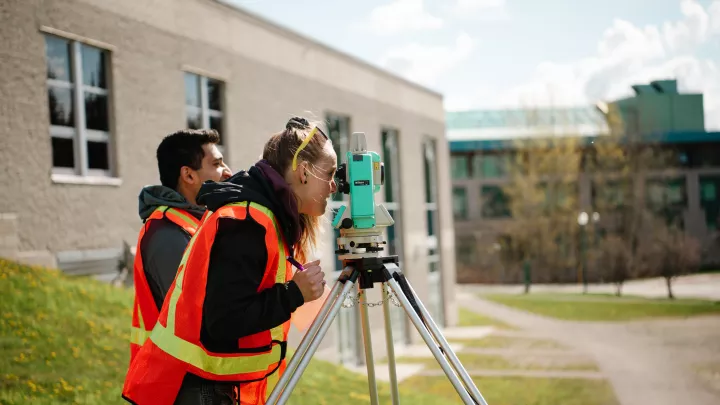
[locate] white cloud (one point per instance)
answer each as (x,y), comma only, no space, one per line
(714,13)
(402,16)
(479,9)
(627,55)
(423,64)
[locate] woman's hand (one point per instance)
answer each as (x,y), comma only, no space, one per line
(311,281)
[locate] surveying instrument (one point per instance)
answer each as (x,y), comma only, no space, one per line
(359,247)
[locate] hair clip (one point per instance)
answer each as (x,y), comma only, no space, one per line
(297,122)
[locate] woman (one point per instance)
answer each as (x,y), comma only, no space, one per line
(226,318)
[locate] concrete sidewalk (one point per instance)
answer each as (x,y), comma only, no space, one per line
(700,286)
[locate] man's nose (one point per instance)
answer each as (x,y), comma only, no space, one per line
(333,186)
(227,173)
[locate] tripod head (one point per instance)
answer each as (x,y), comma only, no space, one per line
(361,221)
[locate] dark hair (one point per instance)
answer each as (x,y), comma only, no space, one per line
(182,148)
(279,151)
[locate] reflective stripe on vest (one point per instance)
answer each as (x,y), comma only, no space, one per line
(138,334)
(164,337)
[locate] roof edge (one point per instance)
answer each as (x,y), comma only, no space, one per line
(283,30)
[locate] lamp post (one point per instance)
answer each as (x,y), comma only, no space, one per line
(582,220)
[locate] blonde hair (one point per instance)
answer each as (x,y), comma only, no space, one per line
(279,152)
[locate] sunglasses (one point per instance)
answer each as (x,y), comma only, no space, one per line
(305,143)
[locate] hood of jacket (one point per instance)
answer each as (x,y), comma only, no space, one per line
(260,184)
(152,197)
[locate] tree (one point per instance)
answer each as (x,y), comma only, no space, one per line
(615,257)
(672,253)
(618,164)
(542,194)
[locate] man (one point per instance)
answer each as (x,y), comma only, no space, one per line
(186,159)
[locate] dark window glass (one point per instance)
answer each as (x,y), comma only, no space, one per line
(192,89)
(98,155)
(495,203)
(57,53)
(216,124)
(62,152)
(60,103)
(93,64)
(460,203)
(193,119)
(214,94)
(96,112)
(459,165)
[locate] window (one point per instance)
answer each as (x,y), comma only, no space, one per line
(668,198)
(391,160)
(339,134)
(490,166)
(435,280)
(460,203)
(710,200)
(204,103)
(460,168)
(79,105)
(495,203)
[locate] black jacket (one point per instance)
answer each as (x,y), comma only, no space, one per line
(164,242)
(233,308)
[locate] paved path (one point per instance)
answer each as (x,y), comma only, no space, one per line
(647,362)
(703,286)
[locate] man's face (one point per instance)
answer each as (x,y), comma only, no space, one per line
(213,167)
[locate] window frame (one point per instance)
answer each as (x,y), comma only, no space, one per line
(81,173)
(204,109)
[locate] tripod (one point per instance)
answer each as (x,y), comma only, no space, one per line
(367,271)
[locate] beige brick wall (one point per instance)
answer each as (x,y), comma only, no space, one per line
(269,74)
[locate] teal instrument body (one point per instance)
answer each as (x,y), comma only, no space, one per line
(361,178)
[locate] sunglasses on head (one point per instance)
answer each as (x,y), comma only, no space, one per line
(302,123)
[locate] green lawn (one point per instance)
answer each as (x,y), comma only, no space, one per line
(470,318)
(523,391)
(494,362)
(65,341)
(504,342)
(593,307)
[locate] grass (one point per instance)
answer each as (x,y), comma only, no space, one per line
(594,307)
(470,318)
(495,362)
(503,342)
(523,391)
(65,340)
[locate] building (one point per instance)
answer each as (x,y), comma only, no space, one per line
(482,143)
(90,87)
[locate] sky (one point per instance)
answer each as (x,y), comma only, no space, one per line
(491,54)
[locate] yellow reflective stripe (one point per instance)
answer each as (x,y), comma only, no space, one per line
(138,336)
(189,221)
(142,322)
(194,355)
(272,381)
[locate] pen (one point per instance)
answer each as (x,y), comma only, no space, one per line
(295,263)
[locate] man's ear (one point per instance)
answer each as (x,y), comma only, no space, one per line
(187,175)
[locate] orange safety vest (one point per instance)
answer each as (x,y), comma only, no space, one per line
(145,312)
(174,347)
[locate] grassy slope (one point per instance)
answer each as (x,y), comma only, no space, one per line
(603,307)
(66,341)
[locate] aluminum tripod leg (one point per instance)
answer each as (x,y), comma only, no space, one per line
(431,343)
(311,341)
(390,348)
(367,343)
(464,376)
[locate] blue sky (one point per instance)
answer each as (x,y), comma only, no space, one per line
(505,53)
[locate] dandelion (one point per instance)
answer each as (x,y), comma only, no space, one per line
(32,386)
